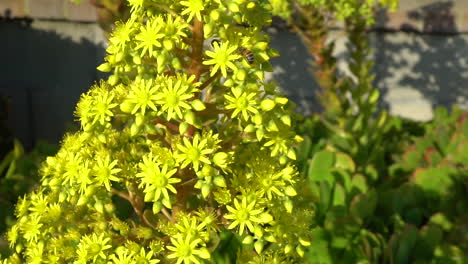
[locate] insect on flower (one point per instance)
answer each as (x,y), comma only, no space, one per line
(243,51)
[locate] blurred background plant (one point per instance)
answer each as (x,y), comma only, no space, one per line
(369,206)
(109,12)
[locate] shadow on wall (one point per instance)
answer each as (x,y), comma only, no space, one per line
(431,67)
(291,70)
(43,74)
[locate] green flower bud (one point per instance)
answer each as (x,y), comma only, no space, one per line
(190,117)
(219,181)
(99,206)
(300,251)
(229,83)
(291,154)
(304,242)
(270,238)
(176,64)
(113,80)
(288,249)
(126,107)
(105,67)
(266,218)
(248,240)
(259,74)
(258,119)
(198,105)
(134,129)
(286,119)
(258,245)
(215,15)
(207,30)
(272,127)
(288,205)
(233,7)
(168,44)
(290,191)
(139,119)
(258,231)
(249,128)
(82,200)
(102,138)
(251,5)
(136,59)
(157,207)
(183,127)
(119,56)
(241,74)
(260,133)
(281,100)
(220,159)
(19,248)
(206,188)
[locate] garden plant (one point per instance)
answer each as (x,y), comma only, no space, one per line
(184,154)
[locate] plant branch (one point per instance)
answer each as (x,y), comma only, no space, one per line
(196,65)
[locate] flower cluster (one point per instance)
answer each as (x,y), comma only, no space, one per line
(184,148)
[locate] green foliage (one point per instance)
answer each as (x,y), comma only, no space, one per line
(19,175)
(184,154)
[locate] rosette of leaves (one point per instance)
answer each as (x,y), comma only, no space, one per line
(184,154)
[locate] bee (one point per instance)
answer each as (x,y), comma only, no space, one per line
(247,54)
(243,51)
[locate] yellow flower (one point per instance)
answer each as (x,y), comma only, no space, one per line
(222,58)
(244,215)
(242,102)
(193,152)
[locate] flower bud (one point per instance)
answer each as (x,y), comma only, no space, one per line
(113,80)
(288,205)
(183,127)
(126,107)
(139,118)
(248,240)
(134,130)
(105,67)
(300,251)
(258,246)
(266,218)
(304,242)
(290,191)
(190,117)
(291,154)
(249,129)
(157,207)
(219,181)
(241,74)
(136,59)
(251,5)
(281,100)
(99,207)
(220,159)
(102,138)
(168,44)
(82,200)
(233,7)
(119,56)
(198,105)
(176,64)
(206,188)
(286,119)
(215,15)
(257,119)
